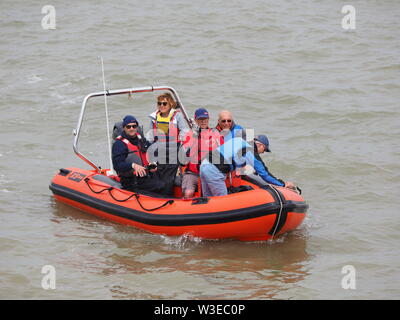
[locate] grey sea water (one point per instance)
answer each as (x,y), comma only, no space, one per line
(327,98)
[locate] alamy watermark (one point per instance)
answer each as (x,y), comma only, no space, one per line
(49,278)
(49,20)
(191,150)
(349,280)
(349,20)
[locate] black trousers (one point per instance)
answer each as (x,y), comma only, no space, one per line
(167,173)
(149,183)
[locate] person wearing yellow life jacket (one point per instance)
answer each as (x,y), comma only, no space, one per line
(130,160)
(198,143)
(167,131)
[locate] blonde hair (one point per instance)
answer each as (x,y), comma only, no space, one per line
(167,96)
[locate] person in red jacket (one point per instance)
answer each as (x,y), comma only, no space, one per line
(197,144)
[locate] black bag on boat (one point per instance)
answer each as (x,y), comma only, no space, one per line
(239,189)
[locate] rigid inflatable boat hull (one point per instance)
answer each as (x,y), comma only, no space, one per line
(258,214)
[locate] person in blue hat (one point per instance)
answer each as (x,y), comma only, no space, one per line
(130,160)
(261,145)
(232,155)
(198,143)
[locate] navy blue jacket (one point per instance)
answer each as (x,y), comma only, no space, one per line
(263,172)
(120,152)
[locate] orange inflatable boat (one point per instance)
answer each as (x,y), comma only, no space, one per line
(253,211)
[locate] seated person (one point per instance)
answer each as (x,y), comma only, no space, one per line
(261,145)
(228,128)
(230,156)
(198,143)
(130,161)
(167,130)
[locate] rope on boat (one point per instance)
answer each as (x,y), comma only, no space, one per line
(137,196)
(163,205)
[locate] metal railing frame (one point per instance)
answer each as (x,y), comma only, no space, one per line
(118,92)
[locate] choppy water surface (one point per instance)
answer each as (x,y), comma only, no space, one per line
(327,98)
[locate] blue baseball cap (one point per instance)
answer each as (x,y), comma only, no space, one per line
(201,113)
(129,119)
(264,140)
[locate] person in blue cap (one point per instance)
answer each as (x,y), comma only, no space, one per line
(234,154)
(198,143)
(261,145)
(130,160)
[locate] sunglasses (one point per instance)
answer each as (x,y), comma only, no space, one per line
(162,103)
(228,120)
(134,126)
